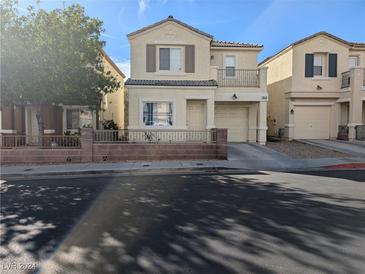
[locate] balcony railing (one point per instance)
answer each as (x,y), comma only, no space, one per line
(45,141)
(154,136)
(346,78)
(238,77)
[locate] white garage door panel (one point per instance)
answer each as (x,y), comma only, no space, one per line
(312,122)
(234,118)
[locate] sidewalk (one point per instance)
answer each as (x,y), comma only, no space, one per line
(169,166)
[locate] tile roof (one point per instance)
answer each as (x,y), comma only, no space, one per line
(172,83)
(351,44)
(171,19)
(216,43)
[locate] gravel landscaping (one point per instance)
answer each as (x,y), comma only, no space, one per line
(299,150)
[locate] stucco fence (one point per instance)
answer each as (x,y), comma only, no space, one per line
(93,146)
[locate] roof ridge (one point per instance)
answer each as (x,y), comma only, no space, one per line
(170,18)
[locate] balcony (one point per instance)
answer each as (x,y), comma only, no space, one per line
(238,78)
(346,78)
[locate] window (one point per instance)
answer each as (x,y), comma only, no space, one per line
(157,114)
(170,59)
(353,61)
(230,63)
(317,64)
(72,118)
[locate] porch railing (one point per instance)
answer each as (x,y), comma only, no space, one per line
(346,78)
(45,141)
(238,77)
(154,136)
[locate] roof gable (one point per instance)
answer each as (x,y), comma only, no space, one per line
(305,39)
(110,61)
(170,19)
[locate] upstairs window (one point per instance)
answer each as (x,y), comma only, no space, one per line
(157,114)
(170,59)
(230,66)
(318,65)
(353,61)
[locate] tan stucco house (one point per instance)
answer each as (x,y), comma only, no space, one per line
(316,87)
(113,105)
(183,79)
(61,119)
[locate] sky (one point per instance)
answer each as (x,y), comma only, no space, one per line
(272,23)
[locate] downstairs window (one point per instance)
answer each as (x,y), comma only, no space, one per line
(157,114)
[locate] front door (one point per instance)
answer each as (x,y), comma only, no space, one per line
(195,115)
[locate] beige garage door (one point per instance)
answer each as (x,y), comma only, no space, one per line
(312,122)
(234,117)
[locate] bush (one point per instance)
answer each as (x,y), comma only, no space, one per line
(109,124)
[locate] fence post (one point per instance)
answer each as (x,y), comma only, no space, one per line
(221,143)
(86,145)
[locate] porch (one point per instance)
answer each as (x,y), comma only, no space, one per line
(352,105)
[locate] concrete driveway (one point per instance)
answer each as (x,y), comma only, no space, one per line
(246,151)
(356,148)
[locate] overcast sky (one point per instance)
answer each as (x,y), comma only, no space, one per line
(273,23)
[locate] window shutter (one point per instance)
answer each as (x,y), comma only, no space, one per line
(332,65)
(190,58)
(309,60)
(150,58)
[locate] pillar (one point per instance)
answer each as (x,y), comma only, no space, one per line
(262,126)
(86,145)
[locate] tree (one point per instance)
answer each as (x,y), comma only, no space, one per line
(52,58)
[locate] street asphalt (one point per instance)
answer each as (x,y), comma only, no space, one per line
(258,222)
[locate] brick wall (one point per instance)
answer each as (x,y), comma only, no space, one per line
(152,152)
(114,152)
(39,156)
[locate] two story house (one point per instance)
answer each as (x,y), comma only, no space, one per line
(183,79)
(316,87)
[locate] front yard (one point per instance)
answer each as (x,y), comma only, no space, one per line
(299,150)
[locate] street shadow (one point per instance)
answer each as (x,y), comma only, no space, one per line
(36,216)
(213,224)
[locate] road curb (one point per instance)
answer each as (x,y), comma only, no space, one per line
(160,171)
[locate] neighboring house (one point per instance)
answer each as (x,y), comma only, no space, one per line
(182,79)
(316,86)
(113,105)
(58,120)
